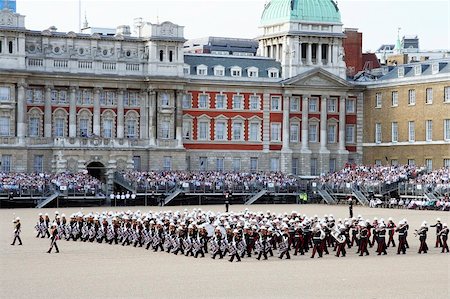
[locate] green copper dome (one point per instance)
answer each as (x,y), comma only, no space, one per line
(279,11)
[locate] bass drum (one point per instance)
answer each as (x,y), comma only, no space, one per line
(209,229)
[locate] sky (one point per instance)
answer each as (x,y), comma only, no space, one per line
(377,20)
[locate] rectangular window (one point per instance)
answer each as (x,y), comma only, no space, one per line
(394,132)
(394,162)
(378,162)
(237,131)
(429,130)
(165,100)
(394,98)
(378,100)
(350,106)
(165,130)
(411,131)
(274,164)
(275,132)
(203,130)
(219,71)
(187,130)
(275,103)
(131,128)
(411,97)
(446,162)
(187,101)
(411,162)
(38,163)
(295,104)
(203,101)
(220,130)
(429,164)
(220,101)
(254,132)
(5,94)
(107,128)
(295,166)
(447,94)
(6,163)
(235,73)
(313,166)
(219,164)
(237,164)
(84,123)
(332,105)
(33,127)
(294,131)
(378,133)
(137,163)
(312,104)
(446,129)
(312,132)
(331,136)
(5,126)
(253,164)
(203,163)
(254,102)
(429,96)
(59,127)
(350,133)
(167,163)
(332,165)
(237,102)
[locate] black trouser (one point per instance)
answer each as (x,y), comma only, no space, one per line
(262,252)
(159,245)
(18,238)
(391,240)
(235,255)
(53,244)
(444,244)
(288,255)
(317,248)
(199,252)
(218,252)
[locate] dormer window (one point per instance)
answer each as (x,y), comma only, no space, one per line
(401,72)
(236,71)
(435,68)
(252,72)
(219,70)
(417,70)
(202,70)
(273,73)
(187,70)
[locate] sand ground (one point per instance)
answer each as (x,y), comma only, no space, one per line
(90,270)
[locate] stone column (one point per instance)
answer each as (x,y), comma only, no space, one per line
(120,114)
(299,52)
(329,54)
(342,123)
(179,118)
(48,112)
(319,54)
(143,125)
(285,123)
(73,112)
(323,124)
(305,124)
(97,111)
(309,54)
(21,107)
(266,122)
(152,117)
(335,54)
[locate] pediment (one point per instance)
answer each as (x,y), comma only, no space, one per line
(317,78)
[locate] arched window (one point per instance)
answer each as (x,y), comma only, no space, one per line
(161,55)
(171,56)
(10,47)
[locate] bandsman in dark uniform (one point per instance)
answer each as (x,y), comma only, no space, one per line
(16,231)
(381,239)
(53,238)
(444,236)
(364,239)
(438,226)
(391,229)
(401,230)
(422,233)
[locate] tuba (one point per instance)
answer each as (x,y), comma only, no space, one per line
(337,236)
(322,235)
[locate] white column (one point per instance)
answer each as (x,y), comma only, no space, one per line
(305,125)
(143,115)
(298,48)
(309,54)
(329,54)
(335,54)
(285,124)
(152,117)
(323,124)
(21,106)
(319,54)
(342,123)
(120,114)
(97,112)
(73,112)
(48,112)
(266,122)
(179,118)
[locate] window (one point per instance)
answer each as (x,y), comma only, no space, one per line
(275,103)
(394,162)
(237,102)
(274,164)
(350,106)
(187,130)
(332,105)
(187,101)
(202,70)
(411,162)
(137,163)
(447,94)
(411,97)
(161,55)
(377,133)
(33,127)
(313,105)
(273,73)
(312,132)
(429,96)
(428,130)
(429,164)
(203,101)
(220,130)
(38,163)
(237,131)
(378,162)
(332,165)
(394,132)
(203,163)
(219,71)
(6,163)
(275,132)
(107,128)
(313,166)
(219,164)
(254,131)
(236,164)
(165,130)
(252,72)
(220,101)
(378,100)
(253,164)
(203,130)
(236,72)
(411,131)
(295,104)
(59,127)
(131,128)
(401,72)
(170,56)
(446,129)
(446,162)
(165,100)
(186,70)
(5,94)
(10,47)
(294,131)
(295,166)
(254,102)
(331,133)
(350,133)
(167,163)
(394,98)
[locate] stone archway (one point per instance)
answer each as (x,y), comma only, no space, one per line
(97,170)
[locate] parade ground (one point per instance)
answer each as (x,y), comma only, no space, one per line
(92,270)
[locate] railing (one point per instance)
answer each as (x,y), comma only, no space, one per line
(109,66)
(85,65)
(132,67)
(60,63)
(34,62)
